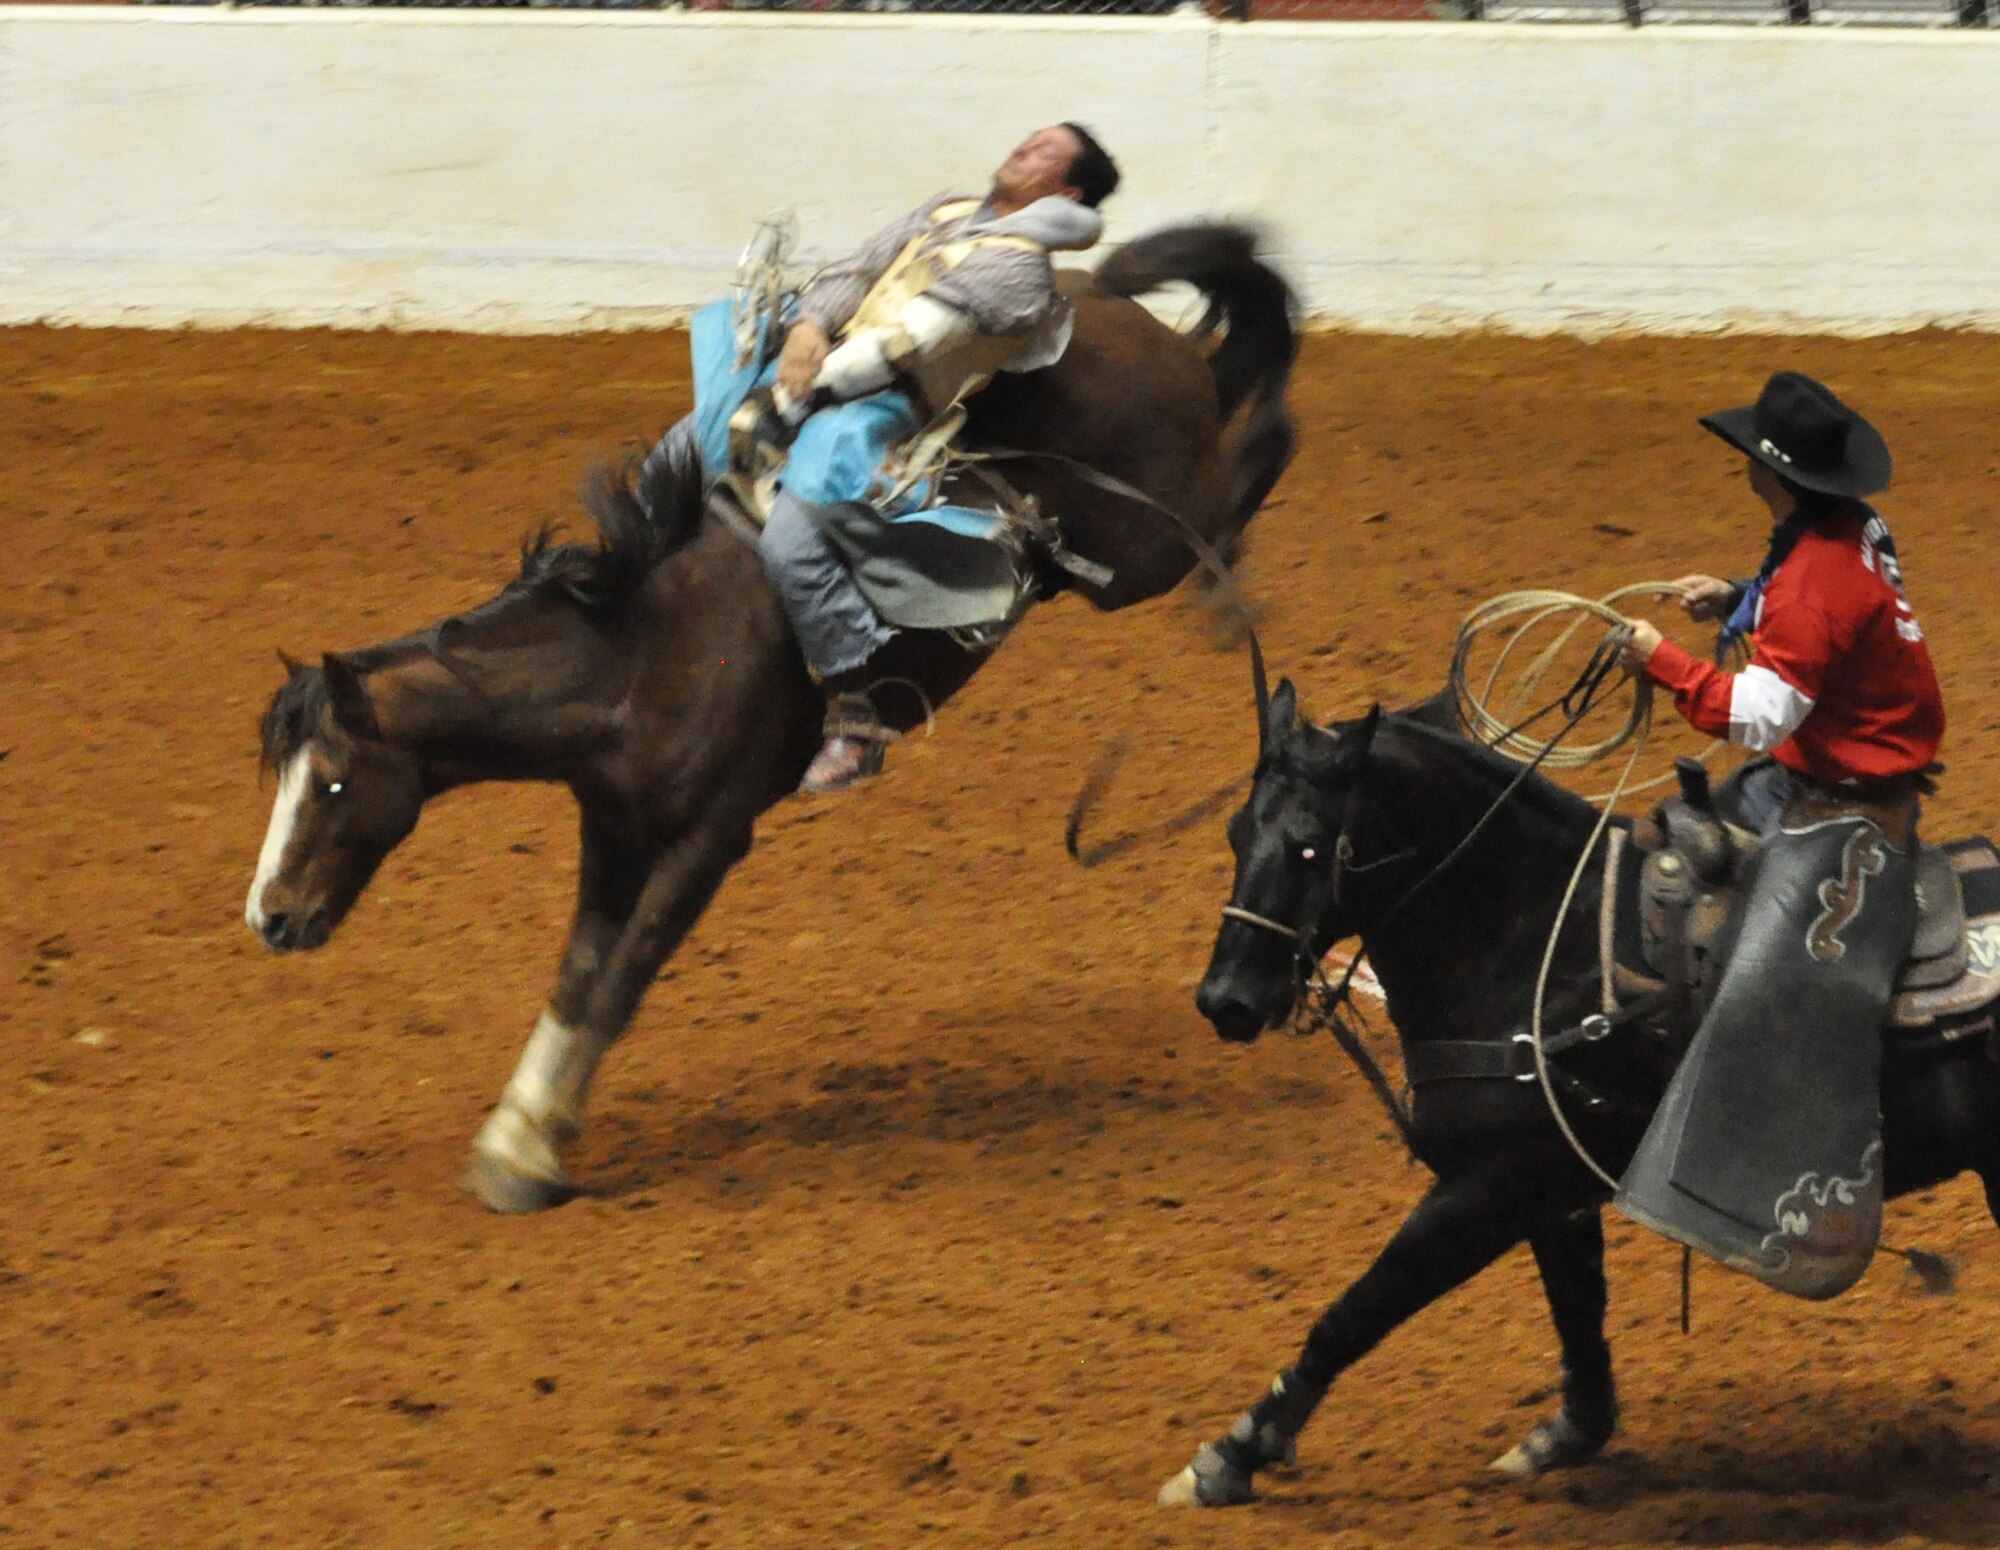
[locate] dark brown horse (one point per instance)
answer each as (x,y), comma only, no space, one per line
(654,673)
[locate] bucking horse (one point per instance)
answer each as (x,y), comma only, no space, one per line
(654,674)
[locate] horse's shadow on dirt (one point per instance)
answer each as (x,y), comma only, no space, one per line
(1865,1466)
(1859,1471)
(861,1104)
(1852,1472)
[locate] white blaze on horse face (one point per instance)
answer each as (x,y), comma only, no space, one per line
(284,816)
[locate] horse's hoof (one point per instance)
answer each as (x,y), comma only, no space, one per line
(500,1188)
(1555,1444)
(1210,1481)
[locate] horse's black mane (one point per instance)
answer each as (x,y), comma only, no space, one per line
(1427,743)
(642,514)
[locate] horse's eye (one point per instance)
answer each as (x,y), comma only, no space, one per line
(1308,853)
(335,787)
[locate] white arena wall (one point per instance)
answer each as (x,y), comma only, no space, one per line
(545,170)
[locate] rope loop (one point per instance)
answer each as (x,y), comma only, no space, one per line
(1524,612)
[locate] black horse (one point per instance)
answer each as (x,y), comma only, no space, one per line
(1361,829)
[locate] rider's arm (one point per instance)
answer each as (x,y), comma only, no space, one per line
(1765,704)
(831,296)
(868,361)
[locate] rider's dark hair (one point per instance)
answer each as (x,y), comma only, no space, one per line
(1813,506)
(1093,174)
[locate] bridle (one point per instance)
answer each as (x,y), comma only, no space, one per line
(1331,1001)
(1344,866)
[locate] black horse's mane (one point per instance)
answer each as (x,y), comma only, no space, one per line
(641,513)
(1413,743)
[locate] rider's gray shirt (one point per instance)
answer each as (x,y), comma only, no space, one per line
(1003,289)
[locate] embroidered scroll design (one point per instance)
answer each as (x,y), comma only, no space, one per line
(1840,897)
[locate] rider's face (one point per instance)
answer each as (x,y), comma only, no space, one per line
(1039,166)
(1770,489)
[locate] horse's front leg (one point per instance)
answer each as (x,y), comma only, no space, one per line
(1569,1252)
(1462,1226)
(516,1162)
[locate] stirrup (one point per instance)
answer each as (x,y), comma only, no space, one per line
(854,715)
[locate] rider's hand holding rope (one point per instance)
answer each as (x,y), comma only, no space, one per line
(1631,643)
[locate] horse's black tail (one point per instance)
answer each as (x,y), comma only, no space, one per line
(1248,299)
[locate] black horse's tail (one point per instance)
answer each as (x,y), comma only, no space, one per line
(1247,298)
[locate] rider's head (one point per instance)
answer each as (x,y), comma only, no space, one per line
(1809,454)
(1064,160)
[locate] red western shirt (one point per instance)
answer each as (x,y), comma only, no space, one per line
(1840,686)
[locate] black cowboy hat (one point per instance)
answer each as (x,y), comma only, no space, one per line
(1800,429)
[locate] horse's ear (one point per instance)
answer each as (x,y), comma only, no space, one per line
(292,665)
(347,696)
(1278,719)
(1355,743)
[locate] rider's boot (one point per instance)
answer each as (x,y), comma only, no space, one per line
(856,741)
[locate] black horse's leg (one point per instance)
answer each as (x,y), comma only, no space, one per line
(1463,1225)
(516,1162)
(1569,1252)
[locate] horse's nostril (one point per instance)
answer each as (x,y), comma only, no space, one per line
(277,925)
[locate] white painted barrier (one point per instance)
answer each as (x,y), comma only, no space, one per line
(557,170)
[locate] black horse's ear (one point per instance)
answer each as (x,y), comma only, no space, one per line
(292,665)
(347,696)
(1357,740)
(1260,684)
(1284,710)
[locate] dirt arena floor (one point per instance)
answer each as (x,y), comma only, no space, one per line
(923,1207)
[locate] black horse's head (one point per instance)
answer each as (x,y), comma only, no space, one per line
(1294,841)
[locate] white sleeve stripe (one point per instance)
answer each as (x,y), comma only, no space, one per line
(1764,710)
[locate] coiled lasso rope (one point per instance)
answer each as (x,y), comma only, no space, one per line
(1532,609)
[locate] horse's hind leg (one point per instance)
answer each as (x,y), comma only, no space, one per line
(1569,1252)
(516,1162)
(1461,1227)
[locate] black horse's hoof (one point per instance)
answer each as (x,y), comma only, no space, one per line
(1555,1444)
(1210,1481)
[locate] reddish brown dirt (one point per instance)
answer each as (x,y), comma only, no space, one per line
(924,1206)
